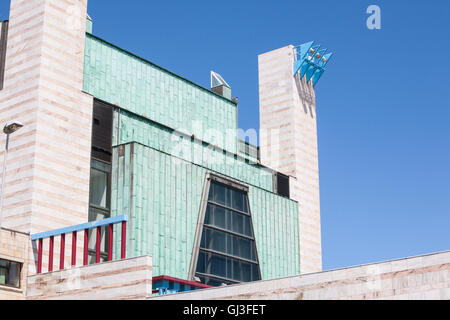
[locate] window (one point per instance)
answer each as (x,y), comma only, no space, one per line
(100,183)
(227,252)
(10,273)
(282,185)
(99,205)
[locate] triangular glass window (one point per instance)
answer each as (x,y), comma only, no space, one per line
(227,252)
(217,80)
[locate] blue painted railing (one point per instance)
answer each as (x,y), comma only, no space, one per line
(74,230)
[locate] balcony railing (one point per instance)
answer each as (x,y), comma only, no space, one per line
(61,233)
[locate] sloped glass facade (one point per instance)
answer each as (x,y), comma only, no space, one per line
(227,252)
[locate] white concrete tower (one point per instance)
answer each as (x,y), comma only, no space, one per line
(48,166)
(289,135)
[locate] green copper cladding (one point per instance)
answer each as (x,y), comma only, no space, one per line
(164,144)
(134,84)
(162,195)
(132,128)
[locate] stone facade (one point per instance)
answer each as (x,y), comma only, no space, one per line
(289,144)
(14,246)
(117,280)
(47,180)
(419,278)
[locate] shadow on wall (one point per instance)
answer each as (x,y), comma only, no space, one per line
(306,94)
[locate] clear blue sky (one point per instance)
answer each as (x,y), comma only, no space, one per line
(383,104)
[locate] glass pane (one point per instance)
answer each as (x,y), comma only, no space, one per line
(245,248)
(214,240)
(219,194)
(253,247)
(14,275)
(91,257)
(255,272)
(238,200)
(99,188)
(247,226)
(208,215)
(238,223)
(229,244)
(219,241)
(201,262)
(245,209)
(203,241)
(99,165)
(211,192)
(229,268)
(229,197)
(236,271)
(213,282)
(10,273)
(246,271)
(219,217)
(3,276)
(218,265)
(96,215)
(235,250)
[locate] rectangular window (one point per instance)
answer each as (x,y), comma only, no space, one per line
(102,131)
(10,273)
(99,185)
(282,185)
(100,182)
(99,205)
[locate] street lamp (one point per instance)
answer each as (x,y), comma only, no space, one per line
(8,129)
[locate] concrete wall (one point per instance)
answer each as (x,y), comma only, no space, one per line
(14,247)
(117,280)
(422,277)
(289,144)
(47,182)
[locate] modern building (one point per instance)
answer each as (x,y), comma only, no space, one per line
(130,181)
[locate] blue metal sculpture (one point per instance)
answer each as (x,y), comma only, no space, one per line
(310,61)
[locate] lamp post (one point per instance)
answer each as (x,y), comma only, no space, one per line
(8,129)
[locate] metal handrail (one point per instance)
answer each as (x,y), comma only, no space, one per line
(74,230)
(80,227)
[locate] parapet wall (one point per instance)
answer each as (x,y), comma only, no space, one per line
(423,277)
(116,280)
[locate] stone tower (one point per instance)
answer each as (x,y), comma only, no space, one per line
(288,134)
(48,166)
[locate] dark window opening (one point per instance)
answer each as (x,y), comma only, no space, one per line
(100,181)
(282,185)
(3,45)
(227,252)
(102,131)
(10,273)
